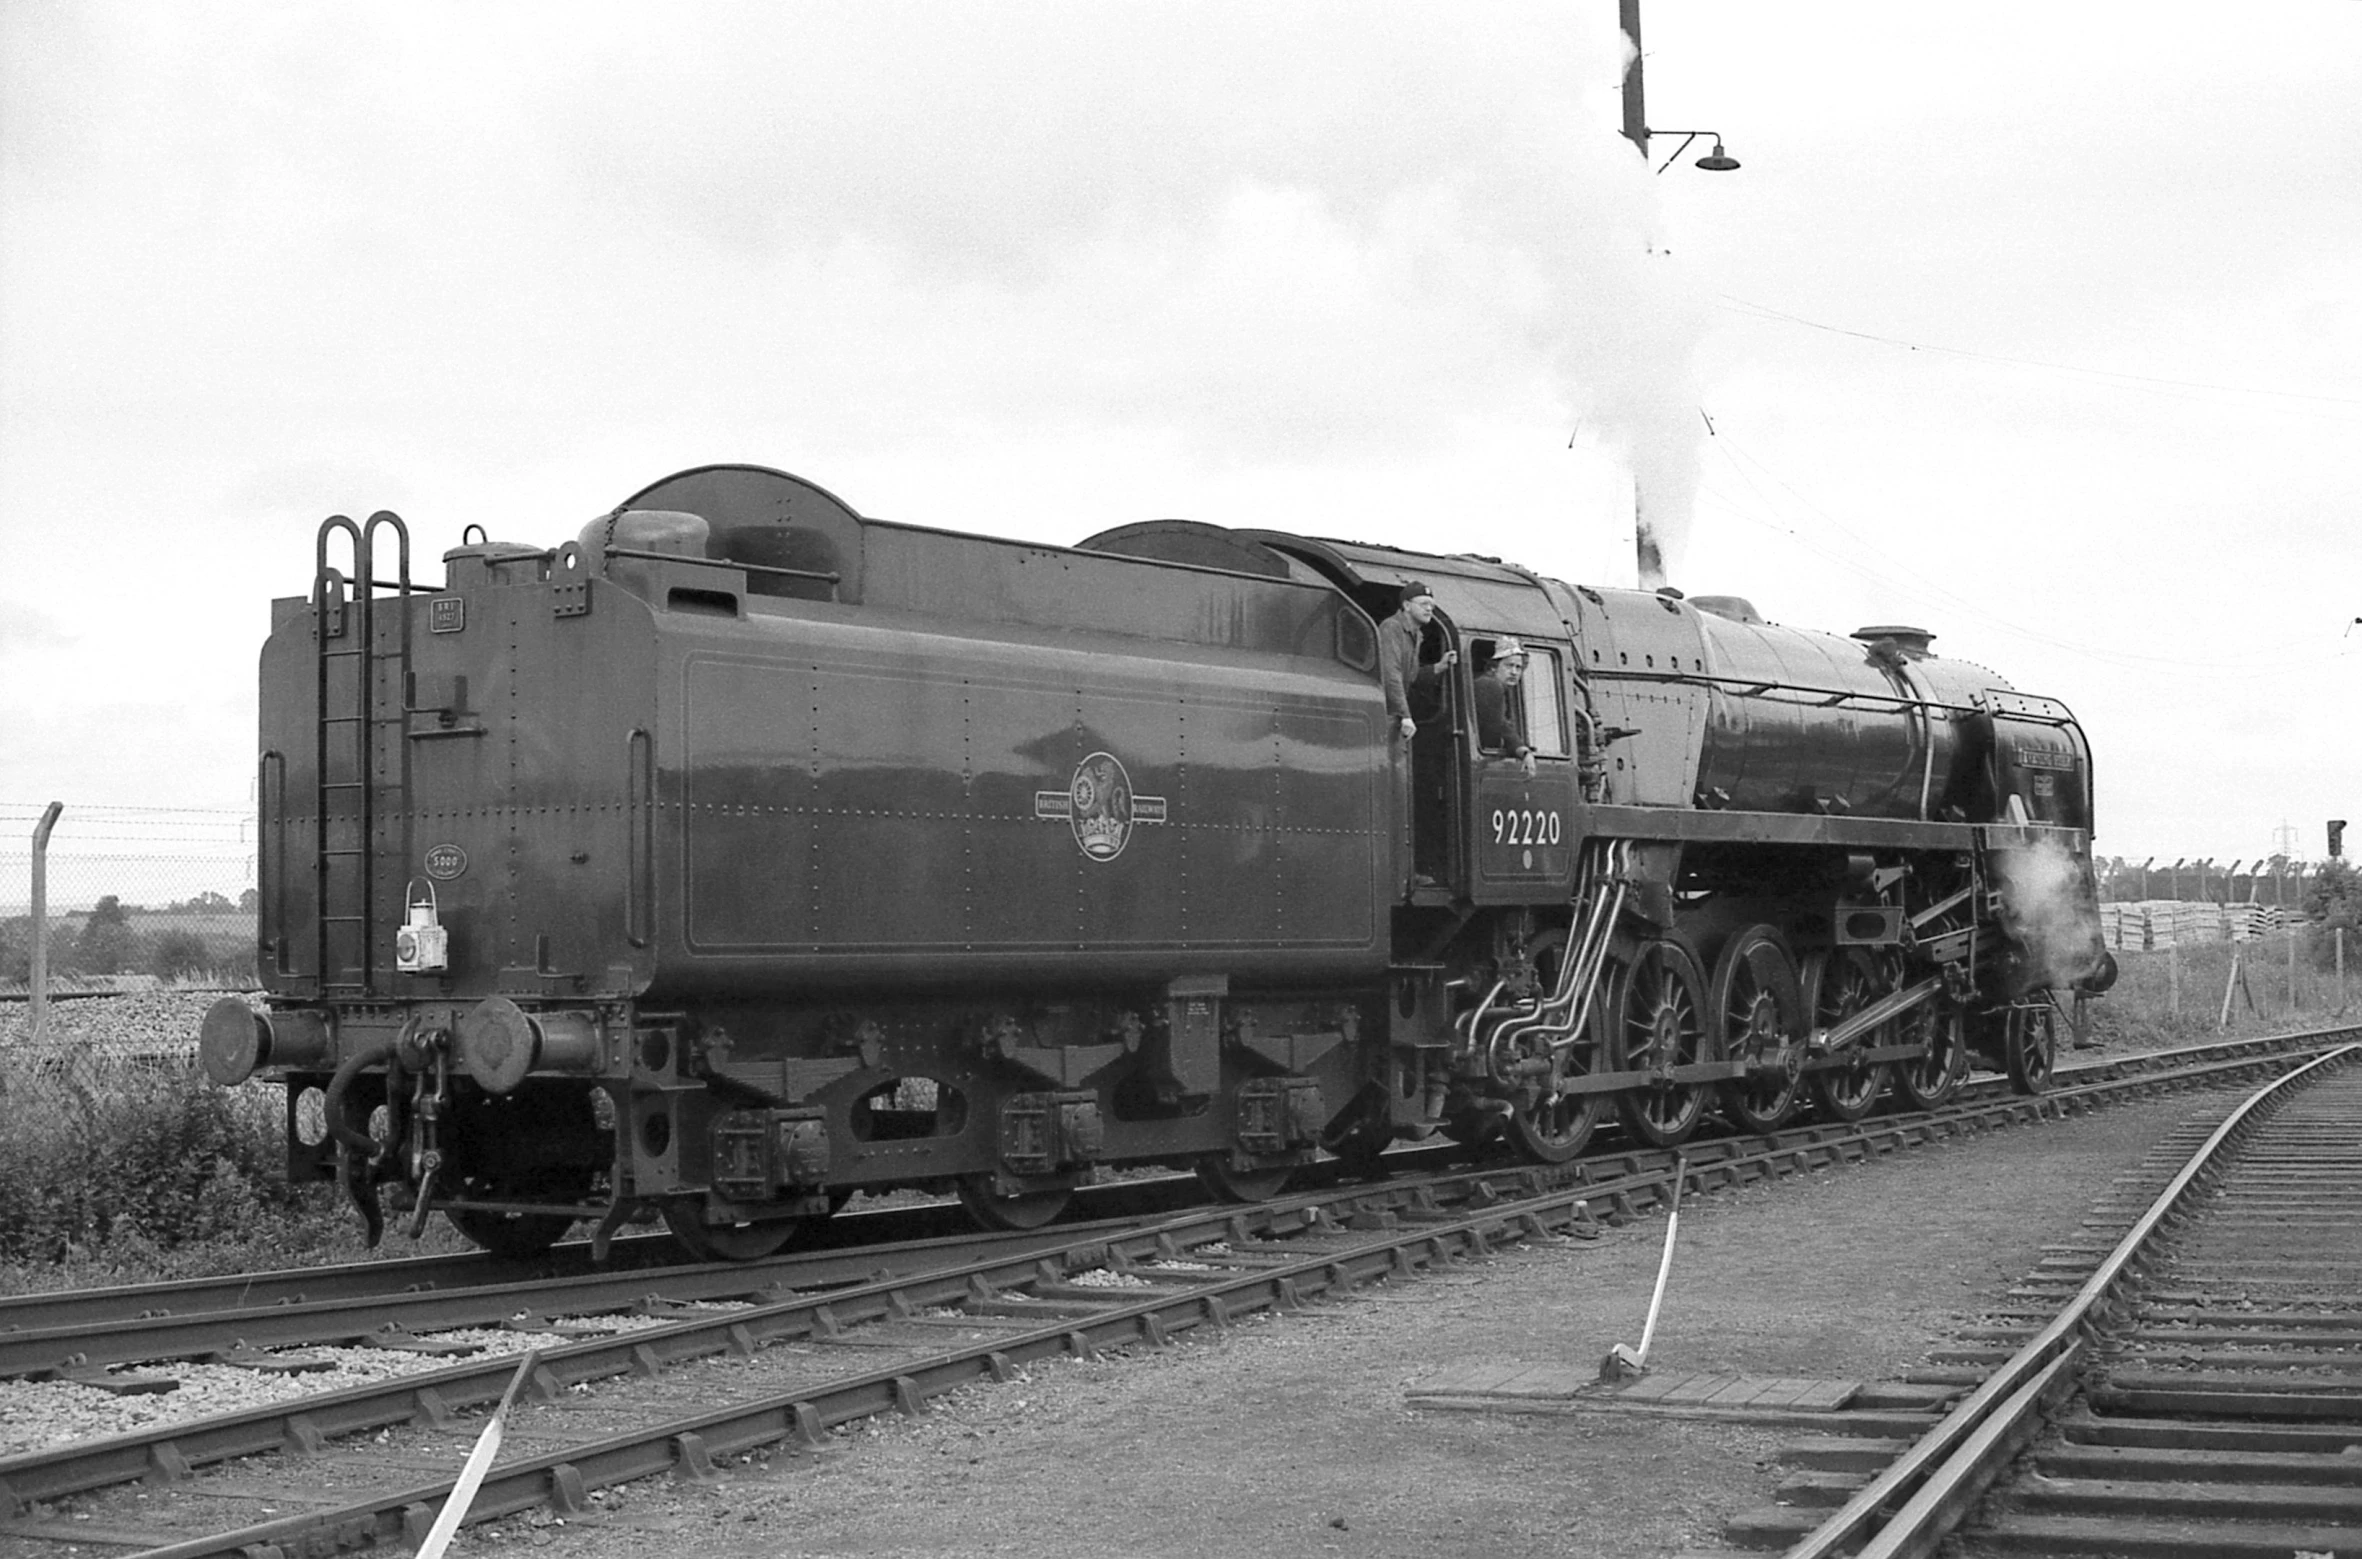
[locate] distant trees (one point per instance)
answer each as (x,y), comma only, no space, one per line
(208,936)
(105,945)
(178,955)
(2334,900)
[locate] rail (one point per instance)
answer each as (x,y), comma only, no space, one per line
(1948,1469)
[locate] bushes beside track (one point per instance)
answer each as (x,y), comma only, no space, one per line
(2142,1013)
(121,1163)
(156,1161)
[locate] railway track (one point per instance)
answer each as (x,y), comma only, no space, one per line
(42,1334)
(936,1319)
(2191,1389)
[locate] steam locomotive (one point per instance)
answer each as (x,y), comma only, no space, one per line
(746,852)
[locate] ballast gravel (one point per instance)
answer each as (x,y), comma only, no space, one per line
(1296,1437)
(161,1023)
(35,1415)
(1102,1277)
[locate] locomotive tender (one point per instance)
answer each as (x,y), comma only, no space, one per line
(746,852)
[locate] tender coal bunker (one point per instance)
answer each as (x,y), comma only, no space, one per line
(906,1107)
(806,561)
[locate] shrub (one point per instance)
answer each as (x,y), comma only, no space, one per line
(178,954)
(145,1159)
(106,945)
(2321,942)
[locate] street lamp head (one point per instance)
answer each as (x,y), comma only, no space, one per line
(1718,161)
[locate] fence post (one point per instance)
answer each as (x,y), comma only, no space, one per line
(2292,929)
(37,1002)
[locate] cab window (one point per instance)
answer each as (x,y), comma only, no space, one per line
(1544,688)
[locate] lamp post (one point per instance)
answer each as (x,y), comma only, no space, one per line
(1636,128)
(1650,553)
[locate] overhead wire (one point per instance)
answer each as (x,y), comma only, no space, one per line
(2111,376)
(1919,587)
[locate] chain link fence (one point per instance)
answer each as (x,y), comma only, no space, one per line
(2274,881)
(148,916)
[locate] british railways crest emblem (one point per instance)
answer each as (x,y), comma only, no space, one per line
(1099,805)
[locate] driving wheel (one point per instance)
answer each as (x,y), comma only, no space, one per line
(1660,1021)
(1931,1078)
(1760,1006)
(1841,983)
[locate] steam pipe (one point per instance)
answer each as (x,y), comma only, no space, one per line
(368,1055)
(1564,1014)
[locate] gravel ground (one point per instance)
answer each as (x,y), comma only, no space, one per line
(1292,1437)
(35,1414)
(157,1022)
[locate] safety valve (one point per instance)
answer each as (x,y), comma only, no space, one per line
(421,944)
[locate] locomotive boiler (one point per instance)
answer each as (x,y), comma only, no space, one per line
(746,852)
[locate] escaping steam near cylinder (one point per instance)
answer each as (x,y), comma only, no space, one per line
(2046,894)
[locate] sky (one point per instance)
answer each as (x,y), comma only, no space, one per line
(2034,325)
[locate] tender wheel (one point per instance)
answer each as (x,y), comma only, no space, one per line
(2030,1046)
(1840,984)
(1026,1210)
(1759,1007)
(1215,1173)
(1929,1080)
(1660,1021)
(518,1236)
(539,1144)
(726,1241)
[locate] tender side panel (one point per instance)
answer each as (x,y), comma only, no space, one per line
(1021,810)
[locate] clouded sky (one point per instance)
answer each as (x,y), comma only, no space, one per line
(2033,324)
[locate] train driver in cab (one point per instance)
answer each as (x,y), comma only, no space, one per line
(1499,708)
(1399,638)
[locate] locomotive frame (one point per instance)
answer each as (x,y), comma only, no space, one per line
(747,852)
